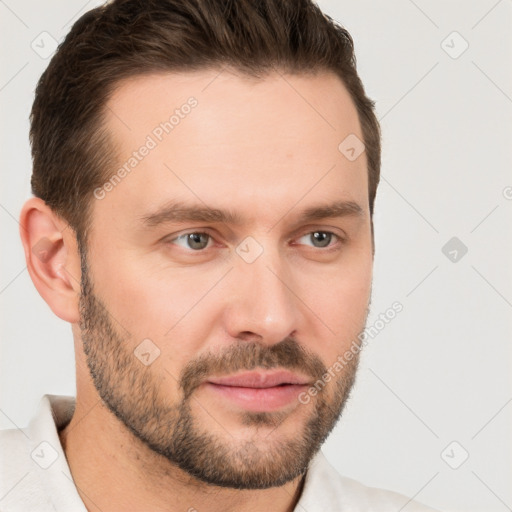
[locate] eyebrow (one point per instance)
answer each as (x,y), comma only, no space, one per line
(187,212)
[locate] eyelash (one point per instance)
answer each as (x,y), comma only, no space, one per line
(334,246)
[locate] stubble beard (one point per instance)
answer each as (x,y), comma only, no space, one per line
(132,393)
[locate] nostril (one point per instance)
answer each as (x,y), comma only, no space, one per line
(249,336)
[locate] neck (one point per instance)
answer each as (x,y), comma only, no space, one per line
(114,471)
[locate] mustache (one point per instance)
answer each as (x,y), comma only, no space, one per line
(286,354)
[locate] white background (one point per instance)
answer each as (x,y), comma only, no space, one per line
(441,370)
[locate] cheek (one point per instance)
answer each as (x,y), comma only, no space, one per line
(344,307)
(164,305)
(340,302)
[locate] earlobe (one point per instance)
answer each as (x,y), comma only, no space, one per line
(52,258)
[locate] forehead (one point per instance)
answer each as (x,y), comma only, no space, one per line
(232,141)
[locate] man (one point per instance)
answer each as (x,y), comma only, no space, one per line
(204,177)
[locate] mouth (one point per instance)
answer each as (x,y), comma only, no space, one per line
(259,391)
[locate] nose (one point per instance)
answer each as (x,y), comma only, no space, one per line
(262,305)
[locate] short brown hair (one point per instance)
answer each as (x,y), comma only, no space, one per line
(71,150)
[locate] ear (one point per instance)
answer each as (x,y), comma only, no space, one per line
(52,257)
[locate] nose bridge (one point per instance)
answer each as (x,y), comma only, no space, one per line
(263,302)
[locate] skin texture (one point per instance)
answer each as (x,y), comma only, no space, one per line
(157,437)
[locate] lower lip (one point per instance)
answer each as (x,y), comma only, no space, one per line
(259,399)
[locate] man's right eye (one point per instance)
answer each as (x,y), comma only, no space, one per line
(195,240)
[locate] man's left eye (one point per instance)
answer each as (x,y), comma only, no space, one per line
(320,239)
(196,241)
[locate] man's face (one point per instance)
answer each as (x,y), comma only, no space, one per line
(204,333)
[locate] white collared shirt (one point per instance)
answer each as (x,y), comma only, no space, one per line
(35,476)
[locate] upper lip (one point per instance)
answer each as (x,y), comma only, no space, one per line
(260,379)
